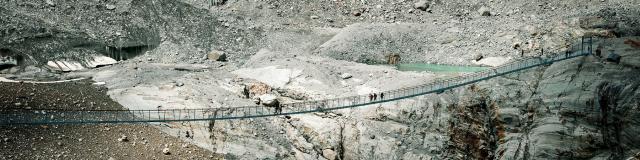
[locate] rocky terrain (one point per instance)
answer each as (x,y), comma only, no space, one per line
(225,53)
(126,141)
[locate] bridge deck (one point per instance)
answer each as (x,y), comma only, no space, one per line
(12,117)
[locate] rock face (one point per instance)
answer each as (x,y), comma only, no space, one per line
(569,103)
(529,115)
(217,55)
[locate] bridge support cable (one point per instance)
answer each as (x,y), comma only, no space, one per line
(52,116)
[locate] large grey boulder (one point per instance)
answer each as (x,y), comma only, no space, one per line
(612,57)
(111,6)
(421,5)
(50,3)
(217,55)
(345,76)
(484,11)
(269,100)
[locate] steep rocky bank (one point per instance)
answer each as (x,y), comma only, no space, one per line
(584,108)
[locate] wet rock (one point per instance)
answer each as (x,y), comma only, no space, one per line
(18,104)
(314,17)
(421,5)
(484,11)
(179,84)
(5,139)
(217,55)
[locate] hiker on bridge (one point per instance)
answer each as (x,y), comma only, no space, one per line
(381,95)
(370,97)
(278,108)
(375,96)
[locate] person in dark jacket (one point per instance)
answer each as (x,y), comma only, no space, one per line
(375,96)
(370,97)
(381,95)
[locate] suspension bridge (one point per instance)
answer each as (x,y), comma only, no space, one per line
(52,116)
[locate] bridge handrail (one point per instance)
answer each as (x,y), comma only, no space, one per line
(195,114)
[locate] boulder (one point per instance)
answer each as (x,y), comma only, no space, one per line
(612,57)
(217,55)
(478,57)
(123,139)
(254,89)
(484,11)
(165,151)
(345,76)
(516,45)
(269,100)
(421,5)
(111,6)
(218,2)
(329,154)
(356,13)
(50,3)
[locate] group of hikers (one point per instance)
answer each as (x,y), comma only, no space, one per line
(374,96)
